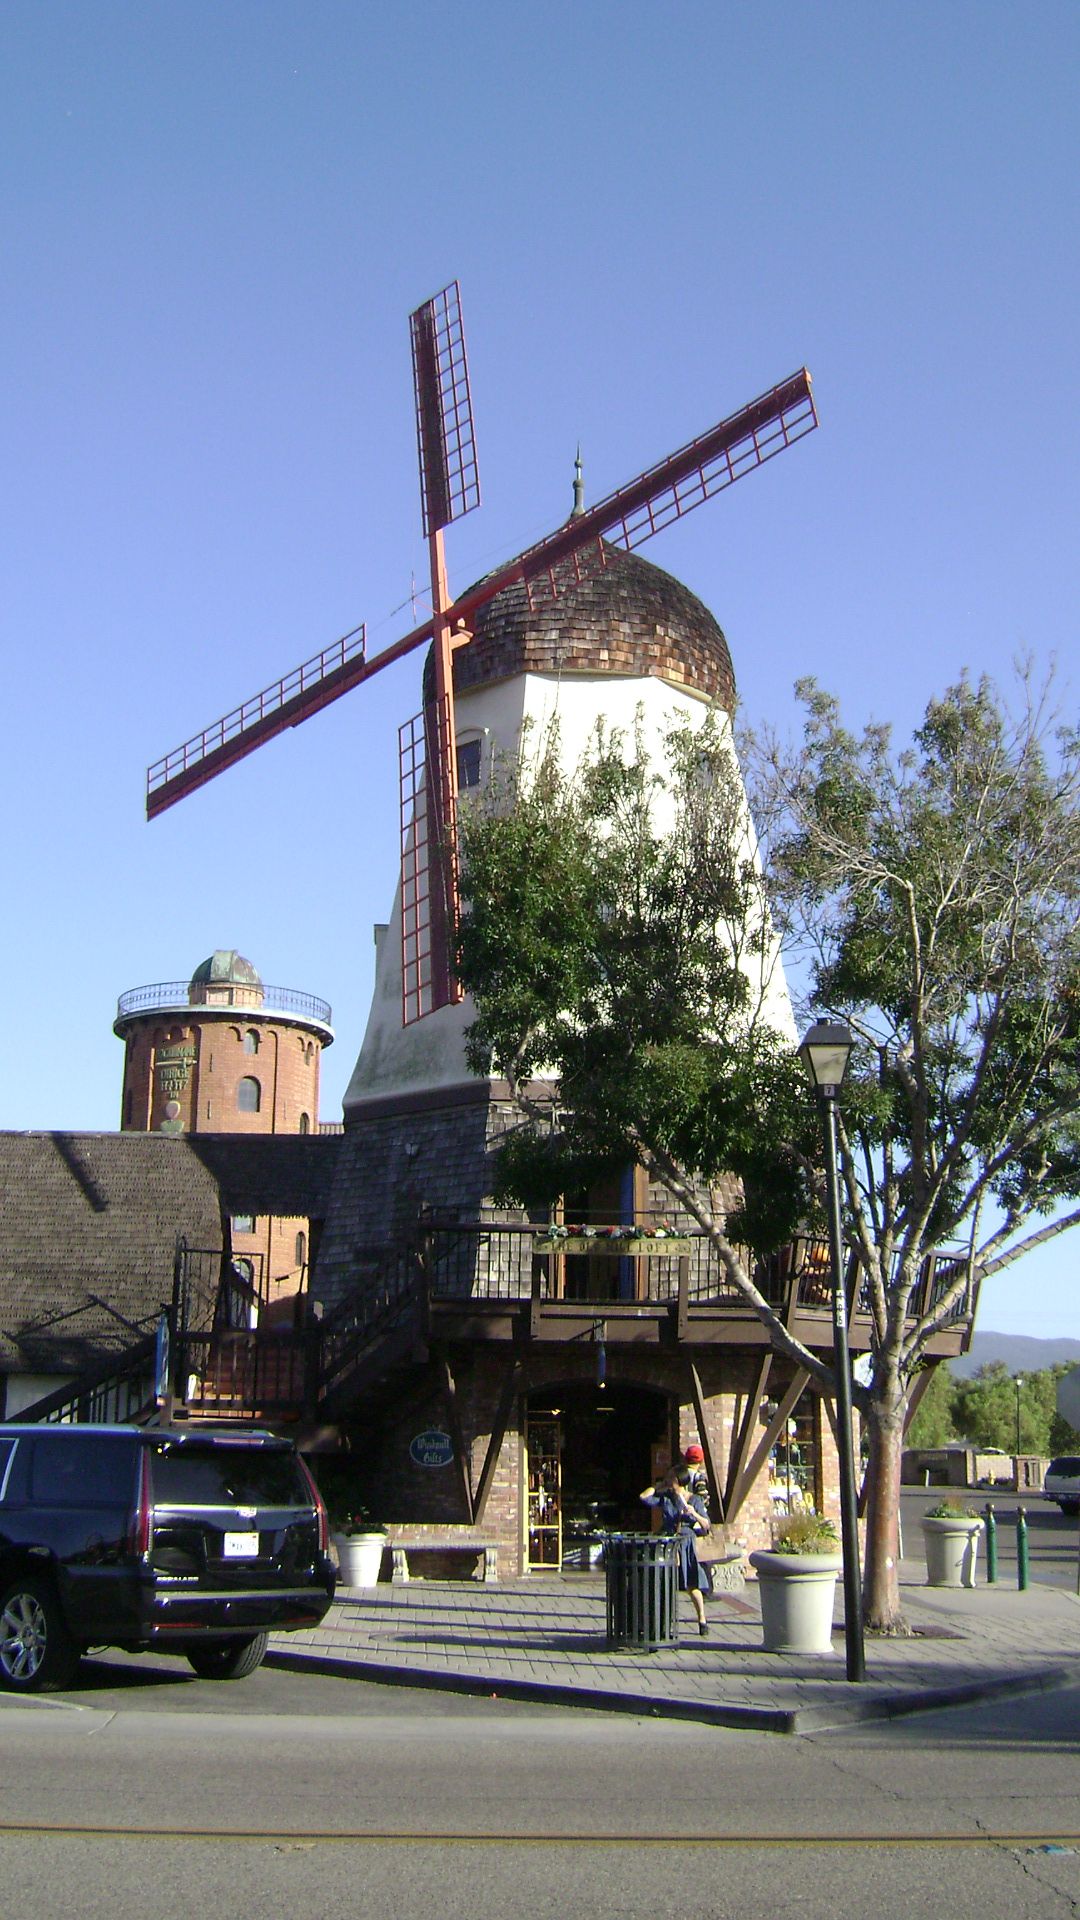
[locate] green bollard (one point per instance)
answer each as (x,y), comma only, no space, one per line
(991,1545)
(1021,1550)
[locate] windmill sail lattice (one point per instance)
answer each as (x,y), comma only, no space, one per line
(449,479)
(450,488)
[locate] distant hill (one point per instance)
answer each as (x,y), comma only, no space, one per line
(1018,1352)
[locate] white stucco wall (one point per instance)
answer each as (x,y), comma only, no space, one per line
(428,1055)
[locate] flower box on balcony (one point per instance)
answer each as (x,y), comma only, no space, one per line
(615,1245)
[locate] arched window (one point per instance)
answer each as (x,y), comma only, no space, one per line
(301,1249)
(305,1123)
(251,1041)
(249,1095)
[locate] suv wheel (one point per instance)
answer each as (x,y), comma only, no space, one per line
(36,1649)
(232,1661)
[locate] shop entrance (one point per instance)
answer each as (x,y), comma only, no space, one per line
(590,1451)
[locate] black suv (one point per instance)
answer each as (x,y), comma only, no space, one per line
(192,1541)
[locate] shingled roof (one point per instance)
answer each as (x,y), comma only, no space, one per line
(628,617)
(89,1224)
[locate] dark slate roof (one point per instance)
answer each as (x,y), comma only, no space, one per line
(627,617)
(287,1174)
(89,1224)
(88,1218)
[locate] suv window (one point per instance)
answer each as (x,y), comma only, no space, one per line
(7,1453)
(95,1470)
(227,1476)
(1066,1463)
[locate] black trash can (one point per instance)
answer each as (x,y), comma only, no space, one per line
(642,1572)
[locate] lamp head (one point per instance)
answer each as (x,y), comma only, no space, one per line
(825,1053)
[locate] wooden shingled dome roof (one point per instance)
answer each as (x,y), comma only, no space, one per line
(628,618)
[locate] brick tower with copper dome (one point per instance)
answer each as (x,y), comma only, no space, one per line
(223,1053)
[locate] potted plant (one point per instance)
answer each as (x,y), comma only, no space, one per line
(797,1583)
(951,1536)
(360,1543)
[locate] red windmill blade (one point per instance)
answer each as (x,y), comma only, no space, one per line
(450,488)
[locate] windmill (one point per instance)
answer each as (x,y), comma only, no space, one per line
(449,487)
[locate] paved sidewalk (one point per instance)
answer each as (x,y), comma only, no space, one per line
(544,1638)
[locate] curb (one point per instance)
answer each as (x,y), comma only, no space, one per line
(790,1720)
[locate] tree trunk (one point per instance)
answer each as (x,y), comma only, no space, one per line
(881,1579)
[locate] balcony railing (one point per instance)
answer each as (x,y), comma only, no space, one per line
(175,995)
(493,1259)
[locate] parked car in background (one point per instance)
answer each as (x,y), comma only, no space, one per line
(1062,1482)
(185,1540)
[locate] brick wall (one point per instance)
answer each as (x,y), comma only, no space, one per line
(184,1075)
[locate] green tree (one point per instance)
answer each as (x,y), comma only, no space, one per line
(618,944)
(933,1424)
(932,899)
(1016,1412)
(616,941)
(985,1409)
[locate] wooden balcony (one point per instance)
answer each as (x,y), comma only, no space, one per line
(490,1280)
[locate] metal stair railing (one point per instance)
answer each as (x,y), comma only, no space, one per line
(110,1393)
(385,1302)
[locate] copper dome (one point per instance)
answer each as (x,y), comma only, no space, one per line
(628,618)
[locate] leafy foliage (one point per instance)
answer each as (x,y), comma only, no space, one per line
(805,1532)
(616,942)
(933,898)
(620,947)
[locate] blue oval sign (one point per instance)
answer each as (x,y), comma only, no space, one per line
(432,1449)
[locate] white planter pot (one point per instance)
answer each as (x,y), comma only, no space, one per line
(951,1549)
(360,1555)
(797,1593)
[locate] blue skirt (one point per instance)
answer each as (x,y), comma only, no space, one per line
(691,1572)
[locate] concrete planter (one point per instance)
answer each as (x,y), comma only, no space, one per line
(797,1594)
(952,1544)
(360,1555)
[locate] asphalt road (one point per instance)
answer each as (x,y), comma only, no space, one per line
(384,1802)
(300,1794)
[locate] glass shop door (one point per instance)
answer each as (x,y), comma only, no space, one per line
(543,1462)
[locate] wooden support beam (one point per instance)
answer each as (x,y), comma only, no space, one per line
(682,1320)
(744,1429)
(509,1393)
(462,1458)
(535,1297)
(768,1440)
(706,1443)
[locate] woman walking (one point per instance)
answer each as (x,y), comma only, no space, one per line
(678,1516)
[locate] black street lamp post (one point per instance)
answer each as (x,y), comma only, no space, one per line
(825,1053)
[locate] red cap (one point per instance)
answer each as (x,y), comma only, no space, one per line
(693,1455)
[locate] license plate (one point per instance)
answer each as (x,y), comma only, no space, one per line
(240,1546)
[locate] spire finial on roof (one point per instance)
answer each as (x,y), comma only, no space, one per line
(579,488)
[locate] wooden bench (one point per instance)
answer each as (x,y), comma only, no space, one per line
(406,1543)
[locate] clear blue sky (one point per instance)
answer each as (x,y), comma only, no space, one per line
(216,218)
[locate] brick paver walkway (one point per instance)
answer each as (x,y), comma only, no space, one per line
(546,1638)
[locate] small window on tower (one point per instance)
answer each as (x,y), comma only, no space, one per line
(468,762)
(249,1095)
(305,1123)
(301,1249)
(251,1041)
